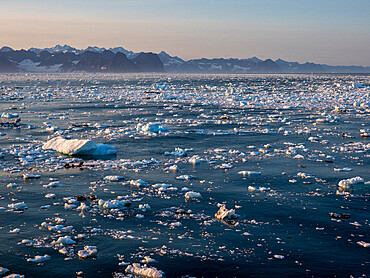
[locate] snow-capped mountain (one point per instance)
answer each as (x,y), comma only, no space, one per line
(64,58)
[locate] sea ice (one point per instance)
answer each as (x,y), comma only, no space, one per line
(151,272)
(151,127)
(39,259)
(349,182)
(113,178)
(18,206)
(77,146)
(226,214)
(31,176)
(87,252)
(3,270)
(64,240)
(249,173)
(192,195)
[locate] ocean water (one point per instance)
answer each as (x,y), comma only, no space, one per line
(292,129)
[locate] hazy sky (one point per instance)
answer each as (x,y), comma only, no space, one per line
(335,32)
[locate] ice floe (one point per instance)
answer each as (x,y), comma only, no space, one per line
(77,146)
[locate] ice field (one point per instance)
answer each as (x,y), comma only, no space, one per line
(144,175)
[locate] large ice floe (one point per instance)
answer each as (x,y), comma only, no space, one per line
(350,182)
(151,127)
(78,147)
(144,271)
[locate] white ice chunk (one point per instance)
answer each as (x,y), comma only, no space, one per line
(65,240)
(39,259)
(185,177)
(9,115)
(3,270)
(31,176)
(88,251)
(18,206)
(352,181)
(192,195)
(77,146)
(343,169)
(113,178)
(151,127)
(151,272)
(113,204)
(224,213)
(249,173)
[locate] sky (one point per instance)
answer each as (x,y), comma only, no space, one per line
(334,32)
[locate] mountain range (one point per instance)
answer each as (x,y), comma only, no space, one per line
(119,60)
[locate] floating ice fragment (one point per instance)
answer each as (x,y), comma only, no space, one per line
(88,251)
(14,275)
(148,260)
(192,195)
(3,270)
(260,189)
(66,252)
(113,204)
(64,240)
(52,184)
(39,259)
(249,173)
(178,152)
(144,207)
(174,168)
(70,206)
(349,182)
(138,182)
(151,272)
(113,178)
(343,169)
(9,115)
(363,244)
(224,213)
(185,177)
(304,175)
(175,224)
(50,196)
(76,146)
(83,207)
(31,176)
(195,159)
(226,166)
(18,206)
(151,127)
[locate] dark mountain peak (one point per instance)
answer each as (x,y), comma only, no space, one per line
(148,62)
(6,49)
(119,63)
(254,59)
(268,66)
(6,65)
(120,55)
(95,49)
